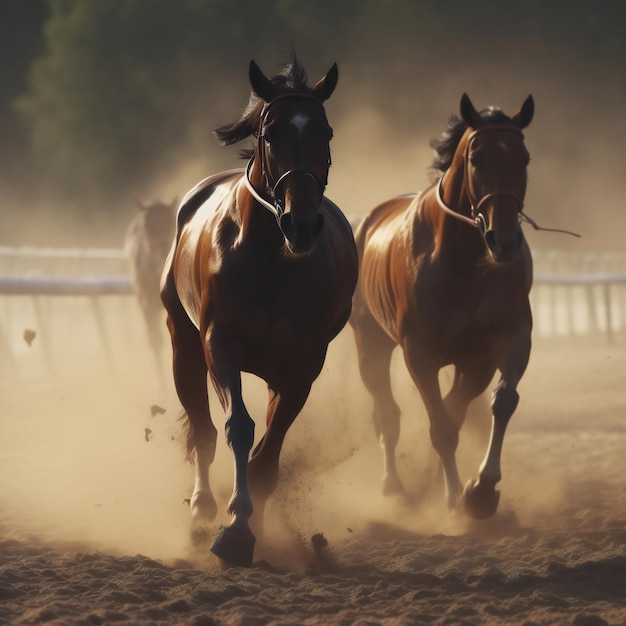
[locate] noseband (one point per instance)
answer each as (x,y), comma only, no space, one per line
(276,207)
(477,218)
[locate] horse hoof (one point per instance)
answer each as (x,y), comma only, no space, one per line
(392,486)
(480,502)
(234,545)
(203,508)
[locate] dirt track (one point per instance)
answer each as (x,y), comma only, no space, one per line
(93,523)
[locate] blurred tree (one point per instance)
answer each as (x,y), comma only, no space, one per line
(21,34)
(21,40)
(122,80)
(124,84)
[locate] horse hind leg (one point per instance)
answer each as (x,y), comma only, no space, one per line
(444,429)
(190,379)
(456,403)
(155,337)
(374,350)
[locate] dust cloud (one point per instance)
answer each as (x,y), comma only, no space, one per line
(83,459)
(85,463)
(381,149)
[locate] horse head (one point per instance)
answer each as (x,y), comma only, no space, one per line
(293,154)
(158,219)
(495,161)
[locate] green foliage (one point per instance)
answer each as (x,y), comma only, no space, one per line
(120,81)
(123,84)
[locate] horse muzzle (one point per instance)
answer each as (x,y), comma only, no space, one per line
(500,226)
(503,245)
(300,223)
(301,232)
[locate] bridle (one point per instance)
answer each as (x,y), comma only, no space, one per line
(276,206)
(477,219)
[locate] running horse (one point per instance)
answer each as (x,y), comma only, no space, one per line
(446,274)
(147,242)
(260,279)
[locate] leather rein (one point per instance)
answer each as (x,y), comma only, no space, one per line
(477,219)
(276,206)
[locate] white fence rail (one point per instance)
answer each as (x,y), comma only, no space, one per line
(66,263)
(579,293)
(89,286)
(75,299)
(572,294)
(29,252)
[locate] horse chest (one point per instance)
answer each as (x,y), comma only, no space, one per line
(278,310)
(462,319)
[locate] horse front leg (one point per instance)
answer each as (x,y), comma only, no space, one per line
(234,543)
(480,497)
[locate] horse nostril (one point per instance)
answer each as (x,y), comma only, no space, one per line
(300,236)
(491,239)
(320,225)
(503,246)
(286,225)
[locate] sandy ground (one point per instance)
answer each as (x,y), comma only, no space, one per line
(94,528)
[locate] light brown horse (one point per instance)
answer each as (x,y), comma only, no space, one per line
(445,275)
(260,279)
(147,243)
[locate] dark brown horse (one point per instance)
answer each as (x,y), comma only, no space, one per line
(445,274)
(147,242)
(260,279)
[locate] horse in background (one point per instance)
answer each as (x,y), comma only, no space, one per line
(445,274)
(146,245)
(260,279)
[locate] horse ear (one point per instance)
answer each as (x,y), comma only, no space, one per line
(524,116)
(469,114)
(261,85)
(325,87)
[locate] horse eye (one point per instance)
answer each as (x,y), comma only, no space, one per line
(268,135)
(474,160)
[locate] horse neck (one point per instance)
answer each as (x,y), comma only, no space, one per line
(257,223)
(456,241)
(454,187)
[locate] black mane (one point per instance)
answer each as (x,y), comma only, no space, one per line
(445,146)
(292,79)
